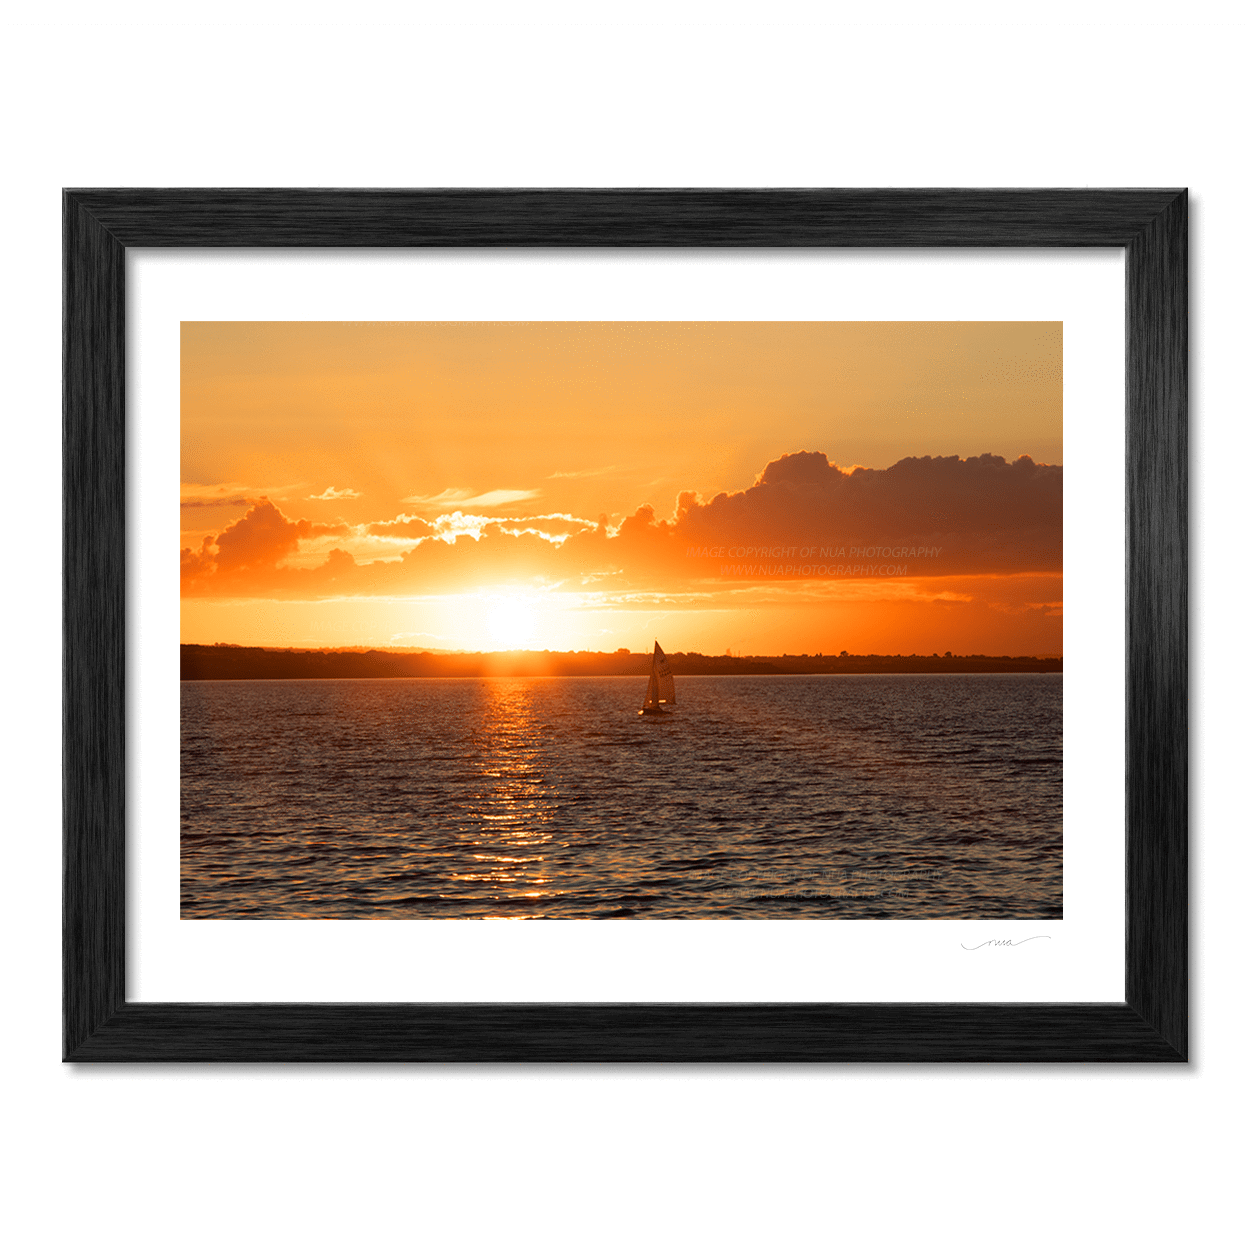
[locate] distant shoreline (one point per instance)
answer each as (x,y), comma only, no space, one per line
(226,663)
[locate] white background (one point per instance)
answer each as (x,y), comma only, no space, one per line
(1081,958)
(675,95)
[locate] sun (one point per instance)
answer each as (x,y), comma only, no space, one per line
(511,620)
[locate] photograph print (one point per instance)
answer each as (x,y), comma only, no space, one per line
(611,620)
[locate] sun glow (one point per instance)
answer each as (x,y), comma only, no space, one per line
(512,620)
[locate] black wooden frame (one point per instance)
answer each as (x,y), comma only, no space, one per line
(100,1025)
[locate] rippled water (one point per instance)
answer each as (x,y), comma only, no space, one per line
(769,797)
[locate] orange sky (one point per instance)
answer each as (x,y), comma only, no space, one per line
(571,485)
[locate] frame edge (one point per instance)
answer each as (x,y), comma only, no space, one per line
(94,623)
(1156,622)
(100,1026)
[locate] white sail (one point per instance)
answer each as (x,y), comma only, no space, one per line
(663,676)
(653,692)
(660,689)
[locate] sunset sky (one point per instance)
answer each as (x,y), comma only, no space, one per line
(759,487)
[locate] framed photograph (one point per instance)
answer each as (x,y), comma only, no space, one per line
(577,555)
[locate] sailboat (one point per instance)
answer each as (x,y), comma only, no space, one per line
(660,693)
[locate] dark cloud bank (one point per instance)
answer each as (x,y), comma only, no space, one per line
(983,515)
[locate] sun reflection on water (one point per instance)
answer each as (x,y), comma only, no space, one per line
(512,802)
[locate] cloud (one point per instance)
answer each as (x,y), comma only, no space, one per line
(262,537)
(331,493)
(251,547)
(802,519)
(554,528)
(986,514)
(230,494)
(402,525)
(214,503)
(466,499)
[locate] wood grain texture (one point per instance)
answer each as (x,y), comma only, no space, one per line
(627,1033)
(631,218)
(99,1025)
(1157,622)
(94,623)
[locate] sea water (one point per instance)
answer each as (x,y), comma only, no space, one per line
(832,796)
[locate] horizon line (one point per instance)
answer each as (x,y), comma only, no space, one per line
(344,648)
